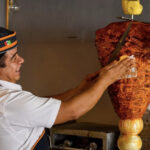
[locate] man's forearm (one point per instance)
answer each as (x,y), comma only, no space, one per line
(87,99)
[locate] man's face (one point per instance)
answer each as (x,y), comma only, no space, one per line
(13,62)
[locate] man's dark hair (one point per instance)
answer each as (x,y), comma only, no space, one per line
(2,60)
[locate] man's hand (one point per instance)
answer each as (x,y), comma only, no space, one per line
(115,71)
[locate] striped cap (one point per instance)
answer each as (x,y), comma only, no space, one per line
(7,40)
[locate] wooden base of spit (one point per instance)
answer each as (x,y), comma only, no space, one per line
(129,139)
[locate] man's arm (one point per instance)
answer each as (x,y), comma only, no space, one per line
(87,98)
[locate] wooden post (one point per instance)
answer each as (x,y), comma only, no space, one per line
(7,14)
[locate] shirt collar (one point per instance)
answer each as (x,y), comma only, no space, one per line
(10,85)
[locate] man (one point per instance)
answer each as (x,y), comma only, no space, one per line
(24,116)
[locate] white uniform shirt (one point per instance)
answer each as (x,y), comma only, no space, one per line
(23,116)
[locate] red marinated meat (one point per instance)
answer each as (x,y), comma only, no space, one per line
(130,97)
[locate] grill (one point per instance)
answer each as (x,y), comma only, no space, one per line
(84,136)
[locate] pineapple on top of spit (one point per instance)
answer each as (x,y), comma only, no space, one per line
(132,7)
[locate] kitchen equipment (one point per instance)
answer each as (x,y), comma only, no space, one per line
(84,136)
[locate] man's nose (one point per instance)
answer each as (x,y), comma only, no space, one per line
(21,60)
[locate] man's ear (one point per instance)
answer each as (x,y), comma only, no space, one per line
(3,58)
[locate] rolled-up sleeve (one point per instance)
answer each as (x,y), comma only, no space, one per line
(27,110)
